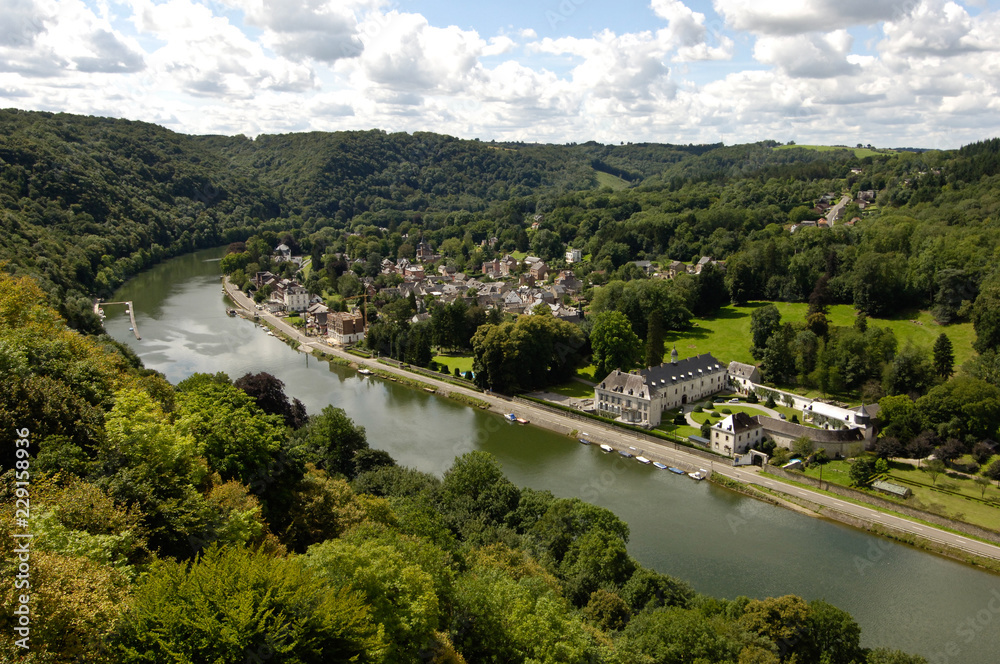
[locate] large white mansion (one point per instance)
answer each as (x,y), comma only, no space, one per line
(640,397)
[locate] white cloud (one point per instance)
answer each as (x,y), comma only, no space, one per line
(938,28)
(322,30)
(687,32)
(779,17)
(205,55)
(809,55)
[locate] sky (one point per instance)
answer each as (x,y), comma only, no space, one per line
(901,73)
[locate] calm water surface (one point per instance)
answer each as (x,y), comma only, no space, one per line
(720,542)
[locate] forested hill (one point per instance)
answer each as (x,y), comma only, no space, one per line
(87,202)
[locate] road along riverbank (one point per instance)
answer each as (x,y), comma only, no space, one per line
(800,498)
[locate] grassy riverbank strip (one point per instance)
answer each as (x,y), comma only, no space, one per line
(912,539)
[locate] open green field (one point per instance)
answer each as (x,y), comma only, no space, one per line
(726,335)
(964,507)
(702,417)
(572,388)
(461,360)
(860,153)
(609,180)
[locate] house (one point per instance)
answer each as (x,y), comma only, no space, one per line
(568,280)
(508,265)
(492,268)
(282,253)
(447,271)
(526,280)
(645,266)
(574,255)
(702,263)
(742,377)
(295,297)
(424,252)
(836,442)
(735,434)
(512,302)
(413,273)
(640,397)
(675,268)
(539,270)
(316,318)
(346,327)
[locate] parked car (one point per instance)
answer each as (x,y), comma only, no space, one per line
(782,416)
(734,400)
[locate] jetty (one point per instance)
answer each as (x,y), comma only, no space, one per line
(129,309)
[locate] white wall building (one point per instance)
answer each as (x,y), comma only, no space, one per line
(640,397)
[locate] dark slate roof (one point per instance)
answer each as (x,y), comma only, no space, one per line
(816,435)
(686,369)
(740,369)
(663,375)
(740,422)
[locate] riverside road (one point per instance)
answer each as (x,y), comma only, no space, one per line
(598,433)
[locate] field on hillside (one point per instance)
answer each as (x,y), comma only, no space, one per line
(726,335)
(609,180)
(860,153)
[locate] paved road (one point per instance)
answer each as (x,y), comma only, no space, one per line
(670,454)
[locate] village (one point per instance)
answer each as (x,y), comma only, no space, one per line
(641,398)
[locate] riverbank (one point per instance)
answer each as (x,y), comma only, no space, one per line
(829,507)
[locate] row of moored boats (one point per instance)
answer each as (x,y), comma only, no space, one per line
(632,452)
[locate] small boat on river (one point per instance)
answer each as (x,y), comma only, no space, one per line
(365,372)
(626,454)
(661,466)
(642,459)
(676,471)
(607,448)
(699,475)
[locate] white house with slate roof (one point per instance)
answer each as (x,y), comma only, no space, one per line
(640,397)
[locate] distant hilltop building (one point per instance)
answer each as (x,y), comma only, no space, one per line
(640,397)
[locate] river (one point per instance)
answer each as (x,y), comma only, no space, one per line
(720,542)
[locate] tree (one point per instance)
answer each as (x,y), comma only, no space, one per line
(944,357)
(331,440)
(861,471)
(910,371)
(764,322)
(614,344)
(982,452)
(475,488)
(888,447)
(934,467)
(654,339)
(993,472)
(263,607)
(986,315)
(269,393)
(983,483)
(900,417)
(950,450)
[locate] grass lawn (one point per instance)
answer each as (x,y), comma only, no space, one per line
(960,508)
(726,335)
(608,180)
(587,373)
(572,388)
(700,418)
(682,430)
(461,360)
(860,153)
(519,255)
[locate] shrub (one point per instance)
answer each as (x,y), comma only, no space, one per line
(727,411)
(752,398)
(432,365)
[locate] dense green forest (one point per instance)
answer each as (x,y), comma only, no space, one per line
(152,500)
(217,521)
